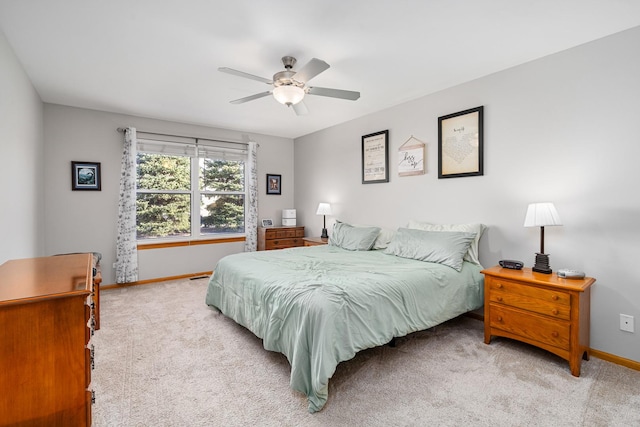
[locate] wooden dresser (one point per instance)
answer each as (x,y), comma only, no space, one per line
(279,237)
(540,309)
(46,323)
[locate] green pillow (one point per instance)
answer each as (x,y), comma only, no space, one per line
(472,253)
(353,238)
(442,247)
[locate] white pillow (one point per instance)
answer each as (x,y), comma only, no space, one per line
(442,247)
(472,253)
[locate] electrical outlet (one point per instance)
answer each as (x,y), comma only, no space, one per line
(626,323)
(114,265)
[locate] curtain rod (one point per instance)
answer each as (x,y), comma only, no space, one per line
(184,136)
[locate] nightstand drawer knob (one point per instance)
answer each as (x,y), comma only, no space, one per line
(499,318)
(499,286)
(555,297)
(554,334)
(555,311)
(499,298)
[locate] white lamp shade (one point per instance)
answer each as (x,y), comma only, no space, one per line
(324,209)
(541,215)
(288,95)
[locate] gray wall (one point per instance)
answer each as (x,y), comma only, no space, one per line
(86,220)
(560,129)
(21,175)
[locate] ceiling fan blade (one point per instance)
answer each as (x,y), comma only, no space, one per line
(310,70)
(251,98)
(334,93)
(301,109)
(245,75)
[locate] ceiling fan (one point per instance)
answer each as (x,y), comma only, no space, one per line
(290,87)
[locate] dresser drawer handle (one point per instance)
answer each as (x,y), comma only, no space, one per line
(499,298)
(499,286)
(555,311)
(555,297)
(554,334)
(499,318)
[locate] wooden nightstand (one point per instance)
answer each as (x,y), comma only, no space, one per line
(315,241)
(540,309)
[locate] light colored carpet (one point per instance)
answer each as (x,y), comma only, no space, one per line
(163,358)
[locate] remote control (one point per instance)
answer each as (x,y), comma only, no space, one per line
(570,274)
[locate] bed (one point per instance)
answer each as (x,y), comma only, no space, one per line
(320,305)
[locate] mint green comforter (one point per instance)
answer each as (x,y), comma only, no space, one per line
(320,305)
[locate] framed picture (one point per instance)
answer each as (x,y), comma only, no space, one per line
(460,144)
(375,157)
(85,176)
(411,157)
(274,184)
(267,223)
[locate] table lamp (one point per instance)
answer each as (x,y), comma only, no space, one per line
(541,215)
(324,209)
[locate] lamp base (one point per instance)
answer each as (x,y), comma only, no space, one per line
(324,235)
(542,264)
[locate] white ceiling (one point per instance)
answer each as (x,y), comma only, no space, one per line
(159,59)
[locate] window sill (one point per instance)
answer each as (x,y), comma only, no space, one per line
(168,244)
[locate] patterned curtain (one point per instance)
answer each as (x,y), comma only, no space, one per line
(251,221)
(126,248)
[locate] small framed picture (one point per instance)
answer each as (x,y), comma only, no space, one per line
(267,223)
(274,184)
(85,176)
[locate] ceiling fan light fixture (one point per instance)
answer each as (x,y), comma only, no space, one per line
(288,94)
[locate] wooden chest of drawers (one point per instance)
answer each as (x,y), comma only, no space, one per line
(279,237)
(540,309)
(46,323)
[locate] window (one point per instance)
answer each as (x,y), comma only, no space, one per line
(189,188)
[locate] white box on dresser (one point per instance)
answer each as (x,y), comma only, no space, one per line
(288,217)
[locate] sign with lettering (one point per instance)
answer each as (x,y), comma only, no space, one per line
(411,157)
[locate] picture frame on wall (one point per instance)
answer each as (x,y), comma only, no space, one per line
(274,184)
(85,176)
(461,144)
(375,157)
(411,156)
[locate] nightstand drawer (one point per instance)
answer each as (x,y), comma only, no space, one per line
(544,301)
(537,328)
(315,241)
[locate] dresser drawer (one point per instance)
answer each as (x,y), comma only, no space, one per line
(283,233)
(283,243)
(543,301)
(538,328)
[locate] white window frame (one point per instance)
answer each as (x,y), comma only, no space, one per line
(170,145)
